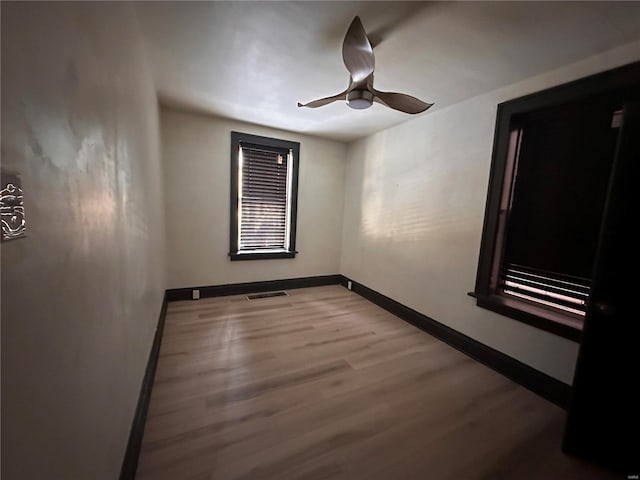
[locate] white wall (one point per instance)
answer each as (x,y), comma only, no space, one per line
(414,207)
(82,292)
(196,157)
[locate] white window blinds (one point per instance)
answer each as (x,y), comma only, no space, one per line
(264,187)
(551,289)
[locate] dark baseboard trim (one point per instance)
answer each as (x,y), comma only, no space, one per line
(540,383)
(176,294)
(130,462)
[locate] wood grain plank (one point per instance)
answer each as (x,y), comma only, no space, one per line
(322,384)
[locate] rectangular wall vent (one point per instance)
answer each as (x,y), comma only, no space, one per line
(255,296)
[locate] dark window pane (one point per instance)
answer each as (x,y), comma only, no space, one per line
(560,187)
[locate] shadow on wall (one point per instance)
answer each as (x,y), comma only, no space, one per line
(408,193)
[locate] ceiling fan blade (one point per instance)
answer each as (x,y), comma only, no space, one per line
(324,101)
(402,102)
(357,52)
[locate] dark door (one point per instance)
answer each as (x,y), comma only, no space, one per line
(603,423)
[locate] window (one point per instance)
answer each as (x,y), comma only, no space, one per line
(264,190)
(552,159)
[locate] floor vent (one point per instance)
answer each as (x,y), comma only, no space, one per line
(255,296)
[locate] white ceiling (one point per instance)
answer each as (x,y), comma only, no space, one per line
(253,61)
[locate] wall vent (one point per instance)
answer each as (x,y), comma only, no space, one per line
(255,296)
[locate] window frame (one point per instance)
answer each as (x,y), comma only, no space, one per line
(237,138)
(486,294)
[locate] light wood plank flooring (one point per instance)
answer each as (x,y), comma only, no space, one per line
(323,384)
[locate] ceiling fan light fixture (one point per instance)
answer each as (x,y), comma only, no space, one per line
(357,54)
(359,99)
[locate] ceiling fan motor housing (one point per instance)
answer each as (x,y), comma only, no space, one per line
(359,99)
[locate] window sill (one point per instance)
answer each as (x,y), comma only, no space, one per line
(261,255)
(565,325)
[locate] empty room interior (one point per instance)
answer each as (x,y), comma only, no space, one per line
(319,240)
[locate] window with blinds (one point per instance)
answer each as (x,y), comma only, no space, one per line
(264,184)
(557,193)
(550,173)
(264,199)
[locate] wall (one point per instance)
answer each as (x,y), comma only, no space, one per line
(196,157)
(414,207)
(82,292)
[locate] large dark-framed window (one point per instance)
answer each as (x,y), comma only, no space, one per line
(552,157)
(264,194)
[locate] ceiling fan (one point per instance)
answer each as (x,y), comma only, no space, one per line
(357,54)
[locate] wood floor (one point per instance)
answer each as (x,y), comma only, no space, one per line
(322,384)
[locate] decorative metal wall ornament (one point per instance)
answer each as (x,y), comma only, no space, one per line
(11,207)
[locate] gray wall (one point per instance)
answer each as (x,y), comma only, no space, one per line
(82,292)
(414,207)
(196,156)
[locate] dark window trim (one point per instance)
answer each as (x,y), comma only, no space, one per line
(621,77)
(236,139)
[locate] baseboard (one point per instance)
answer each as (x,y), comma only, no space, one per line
(176,294)
(130,462)
(540,383)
